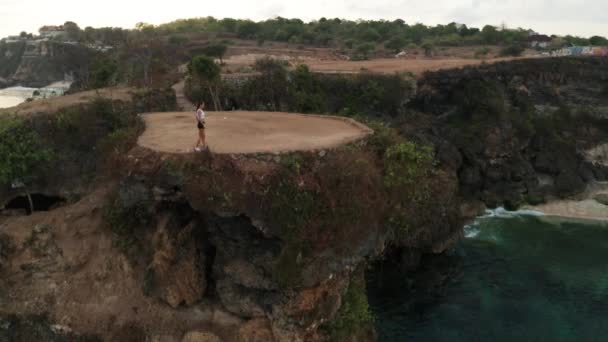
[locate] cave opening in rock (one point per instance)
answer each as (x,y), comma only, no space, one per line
(41,202)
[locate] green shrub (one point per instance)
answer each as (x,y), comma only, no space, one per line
(103,73)
(481,52)
(363,51)
(429,49)
(290,207)
(383,137)
(21,153)
(354,315)
(396,43)
(512,50)
(155,100)
(215,50)
(119,141)
(407,162)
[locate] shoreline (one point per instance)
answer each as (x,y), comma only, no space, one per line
(16,95)
(584,207)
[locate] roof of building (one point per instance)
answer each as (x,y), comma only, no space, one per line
(539,38)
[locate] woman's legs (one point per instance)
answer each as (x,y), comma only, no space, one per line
(201,137)
(198,141)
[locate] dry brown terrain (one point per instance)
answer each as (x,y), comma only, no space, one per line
(392,65)
(53,104)
(68,266)
(243,54)
(249,132)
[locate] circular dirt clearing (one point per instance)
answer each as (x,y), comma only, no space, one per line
(249,132)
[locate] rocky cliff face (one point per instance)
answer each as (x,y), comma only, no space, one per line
(40,63)
(272,247)
(240,248)
(520,129)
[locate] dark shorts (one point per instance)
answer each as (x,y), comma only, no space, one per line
(200,125)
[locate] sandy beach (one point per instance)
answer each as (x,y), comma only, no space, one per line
(584,207)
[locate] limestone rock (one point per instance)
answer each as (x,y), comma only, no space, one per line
(256,330)
(176,273)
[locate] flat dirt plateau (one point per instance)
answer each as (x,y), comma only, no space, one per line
(240,132)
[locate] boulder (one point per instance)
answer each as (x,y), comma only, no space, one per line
(601,198)
(470,176)
(243,266)
(448,155)
(600,172)
(568,183)
(585,171)
(256,330)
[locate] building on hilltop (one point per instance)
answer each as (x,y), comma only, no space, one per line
(539,41)
(52,32)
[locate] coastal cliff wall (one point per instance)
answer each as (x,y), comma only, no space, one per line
(269,245)
(518,130)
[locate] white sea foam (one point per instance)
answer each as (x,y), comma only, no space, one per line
(473,229)
(13,96)
(503,213)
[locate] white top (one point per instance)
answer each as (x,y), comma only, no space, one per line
(200,115)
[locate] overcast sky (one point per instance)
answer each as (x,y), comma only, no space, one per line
(577,17)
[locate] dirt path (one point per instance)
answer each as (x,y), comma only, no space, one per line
(182,102)
(249,132)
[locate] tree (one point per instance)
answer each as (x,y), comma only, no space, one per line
(272,83)
(490,34)
(148,31)
(598,40)
(428,49)
(247,29)
(102,73)
(204,70)
(72,30)
(216,50)
(21,154)
(363,51)
(396,43)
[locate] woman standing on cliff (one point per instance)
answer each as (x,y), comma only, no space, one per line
(200,118)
